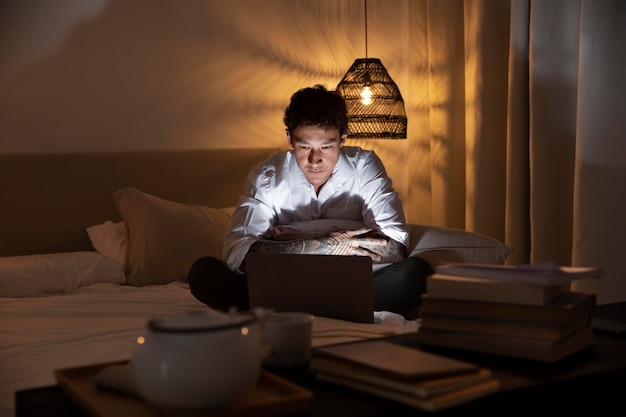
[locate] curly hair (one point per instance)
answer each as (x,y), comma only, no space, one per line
(317,106)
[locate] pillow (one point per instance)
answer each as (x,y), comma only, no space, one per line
(32,275)
(109,239)
(439,245)
(165,237)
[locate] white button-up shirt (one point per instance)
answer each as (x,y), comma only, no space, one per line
(278,193)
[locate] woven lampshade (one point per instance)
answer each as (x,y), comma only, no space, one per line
(384,116)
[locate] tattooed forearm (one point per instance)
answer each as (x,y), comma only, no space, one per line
(325,245)
(347,243)
(270,246)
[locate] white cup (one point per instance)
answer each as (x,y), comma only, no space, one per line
(288,335)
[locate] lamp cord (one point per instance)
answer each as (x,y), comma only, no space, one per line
(365,1)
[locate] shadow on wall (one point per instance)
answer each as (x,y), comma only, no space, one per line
(174,75)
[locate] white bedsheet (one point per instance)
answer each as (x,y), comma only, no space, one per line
(99,323)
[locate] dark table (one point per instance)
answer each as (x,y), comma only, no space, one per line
(592,382)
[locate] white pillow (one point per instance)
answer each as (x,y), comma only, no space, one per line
(109,239)
(32,275)
(439,245)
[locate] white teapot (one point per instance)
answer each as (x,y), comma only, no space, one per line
(198,361)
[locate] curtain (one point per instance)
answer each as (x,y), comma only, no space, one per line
(520,128)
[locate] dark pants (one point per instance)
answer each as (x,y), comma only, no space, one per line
(397,287)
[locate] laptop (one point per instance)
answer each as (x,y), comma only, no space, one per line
(339,287)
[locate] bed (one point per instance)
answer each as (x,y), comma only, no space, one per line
(92,245)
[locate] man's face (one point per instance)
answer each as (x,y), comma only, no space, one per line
(317,151)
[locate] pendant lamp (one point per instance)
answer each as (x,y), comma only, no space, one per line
(375,105)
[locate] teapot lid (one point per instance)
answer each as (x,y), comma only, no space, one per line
(200,322)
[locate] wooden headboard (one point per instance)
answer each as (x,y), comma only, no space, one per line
(47,200)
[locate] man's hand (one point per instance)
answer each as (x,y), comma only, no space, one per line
(349,243)
(393,251)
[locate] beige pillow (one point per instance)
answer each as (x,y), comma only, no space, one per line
(166,237)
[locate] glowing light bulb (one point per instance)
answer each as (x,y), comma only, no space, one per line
(366,96)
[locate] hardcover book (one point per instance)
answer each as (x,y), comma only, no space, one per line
(537,274)
(562,309)
(410,376)
(482,289)
(435,403)
(395,361)
(540,331)
(424,388)
(520,347)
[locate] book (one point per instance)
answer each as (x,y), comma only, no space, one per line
(519,347)
(423,388)
(483,289)
(495,326)
(436,403)
(395,361)
(610,317)
(560,310)
(536,274)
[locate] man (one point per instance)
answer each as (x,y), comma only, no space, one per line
(295,200)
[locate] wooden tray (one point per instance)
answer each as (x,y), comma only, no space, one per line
(271,397)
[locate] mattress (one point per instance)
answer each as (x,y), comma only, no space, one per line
(100,323)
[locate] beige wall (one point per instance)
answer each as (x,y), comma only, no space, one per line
(115,75)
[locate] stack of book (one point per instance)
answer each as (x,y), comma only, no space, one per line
(517,311)
(419,379)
